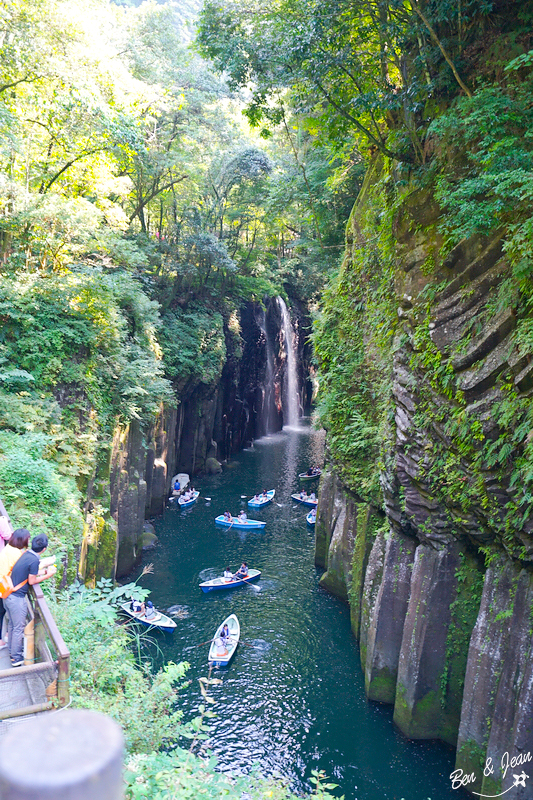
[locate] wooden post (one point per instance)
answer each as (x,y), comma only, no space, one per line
(71,754)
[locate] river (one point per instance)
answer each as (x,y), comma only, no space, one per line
(293,698)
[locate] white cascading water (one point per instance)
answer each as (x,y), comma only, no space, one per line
(291,407)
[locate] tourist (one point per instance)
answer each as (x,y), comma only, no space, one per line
(176,486)
(150,613)
(220,647)
(225,634)
(242,517)
(8,558)
(228,574)
(136,607)
(24,574)
(242,572)
(312,496)
(303,494)
(227,516)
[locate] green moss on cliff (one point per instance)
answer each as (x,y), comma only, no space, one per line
(359,309)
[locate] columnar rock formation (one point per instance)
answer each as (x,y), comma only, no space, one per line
(439,575)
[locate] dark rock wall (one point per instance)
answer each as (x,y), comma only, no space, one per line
(443,638)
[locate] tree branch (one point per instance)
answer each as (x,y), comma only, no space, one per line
(437,41)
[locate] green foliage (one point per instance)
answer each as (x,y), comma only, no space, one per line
(355,383)
(106,677)
(90,338)
(362,73)
(180,775)
(193,345)
(37,496)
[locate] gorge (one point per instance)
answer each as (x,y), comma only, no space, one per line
(316,206)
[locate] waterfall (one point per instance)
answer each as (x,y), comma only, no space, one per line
(268,410)
(292,400)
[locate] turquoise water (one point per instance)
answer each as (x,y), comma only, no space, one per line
(293,698)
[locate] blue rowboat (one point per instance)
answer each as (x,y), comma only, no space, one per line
(311,517)
(221,653)
(241,526)
(160,620)
(216,584)
(262,499)
(306,500)
(186,503)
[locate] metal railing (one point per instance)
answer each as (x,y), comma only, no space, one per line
(46,670)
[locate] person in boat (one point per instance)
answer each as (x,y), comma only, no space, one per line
(312,496)
(256,498)
(176,486)
(227,516)
(313,513)
(225,634)
(150,613)
(228,574)
(136,607)
(264,495)
(242,572)
(243,517)
(303,494)
(310,471)
(220,647)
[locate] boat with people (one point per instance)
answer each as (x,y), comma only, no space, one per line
(240,524)
(188,499)
(216,584)
(262,499)
(306,499)
(178,484)
(158,620)
(310,475)
(223,646)
(311,517)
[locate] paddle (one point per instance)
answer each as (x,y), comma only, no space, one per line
(247,580)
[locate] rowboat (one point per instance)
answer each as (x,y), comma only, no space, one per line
(305,477)
(183,480)
(262,499)
(242,526)
(186,503)
(311,517)
(221,653)
(216,584)
(159,621)
(305,500)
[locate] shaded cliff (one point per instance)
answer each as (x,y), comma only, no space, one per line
(429,534)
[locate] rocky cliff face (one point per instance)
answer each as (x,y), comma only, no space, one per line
(213,421)
(439,573)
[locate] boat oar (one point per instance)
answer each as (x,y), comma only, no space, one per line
(202,643)
(255,588)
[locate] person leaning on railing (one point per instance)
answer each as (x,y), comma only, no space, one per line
(24,574)
(9,556)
